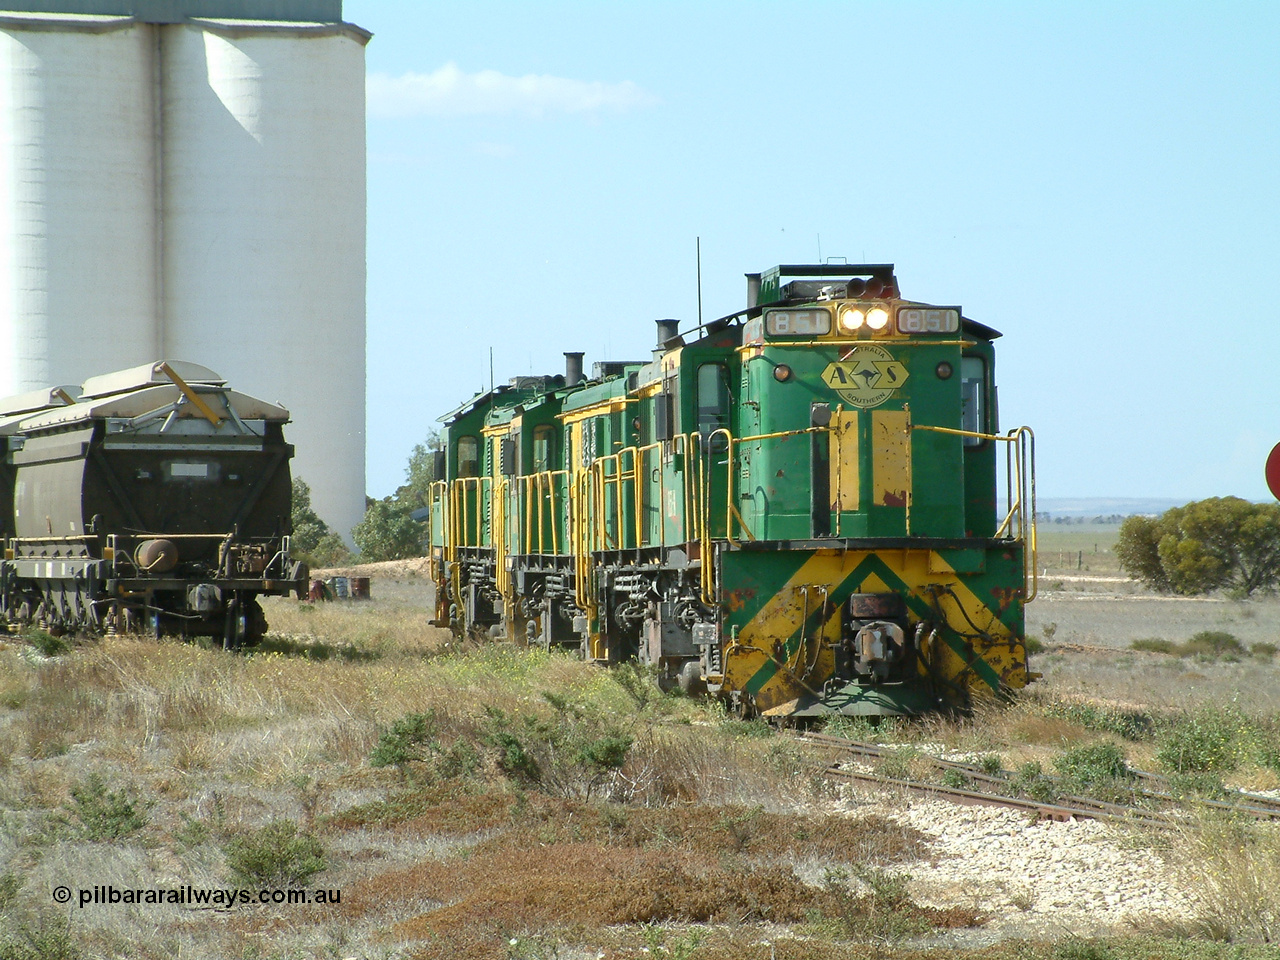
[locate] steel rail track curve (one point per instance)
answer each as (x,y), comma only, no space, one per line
(1067,806)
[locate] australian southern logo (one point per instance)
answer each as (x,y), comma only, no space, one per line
(866,376)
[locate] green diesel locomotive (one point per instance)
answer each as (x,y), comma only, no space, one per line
(797,508)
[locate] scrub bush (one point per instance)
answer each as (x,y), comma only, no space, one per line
(275,854)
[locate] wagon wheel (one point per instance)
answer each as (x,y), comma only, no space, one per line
(236,626)
(256,623)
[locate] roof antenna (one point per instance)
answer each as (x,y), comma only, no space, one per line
(491,369)
(699,249)
(819,248)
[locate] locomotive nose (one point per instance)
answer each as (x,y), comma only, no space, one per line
(156,556)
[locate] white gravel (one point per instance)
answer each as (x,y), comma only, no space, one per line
(1033,877)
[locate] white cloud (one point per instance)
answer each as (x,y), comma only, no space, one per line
(449,92)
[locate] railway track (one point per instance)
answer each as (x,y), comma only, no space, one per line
(1153,803)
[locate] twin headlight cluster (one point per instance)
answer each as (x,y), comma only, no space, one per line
(850,319)
(856,317)
(910,319)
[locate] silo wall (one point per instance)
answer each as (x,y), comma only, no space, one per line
(78,240)
(264,223)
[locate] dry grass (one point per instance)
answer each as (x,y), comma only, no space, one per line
(705,843)
(570,866)
(1234,869)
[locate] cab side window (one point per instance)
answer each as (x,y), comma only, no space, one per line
(713,397)
(468,457)
(973,398)
(542,451)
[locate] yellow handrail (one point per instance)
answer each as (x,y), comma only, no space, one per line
(587,491)
(1020,483)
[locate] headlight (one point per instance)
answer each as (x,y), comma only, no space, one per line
(877,318)
(851,318)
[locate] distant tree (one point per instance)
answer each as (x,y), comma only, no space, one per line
(313,540)
(420,473)
(1138,549)
(387,532)
(331,551)
(308,528)
(1220,543)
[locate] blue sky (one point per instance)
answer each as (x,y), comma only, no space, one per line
(1101,183)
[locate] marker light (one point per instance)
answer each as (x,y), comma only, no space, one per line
(877,318)
(851,318)
(782,373)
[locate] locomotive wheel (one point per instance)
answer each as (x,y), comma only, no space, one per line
(739,705)
(690,679)
(256,623)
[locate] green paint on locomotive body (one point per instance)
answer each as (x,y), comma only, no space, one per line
(775,476)
(968,593)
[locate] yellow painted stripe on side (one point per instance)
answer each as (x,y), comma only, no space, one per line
(844,463)
(612,405)
(977,610)
(890,458)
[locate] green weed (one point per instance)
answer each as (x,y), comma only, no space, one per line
(1129,724)
(1213,645)
(107,815)
(1205,741)
(896,764)
(47,938)
(276,853)
(574,752)
(1076,948)
(1154,645)
(46,643)
(1098,770)
(416,738)
(10,884)
(1033,782)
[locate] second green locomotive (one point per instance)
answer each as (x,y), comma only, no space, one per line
(794,507)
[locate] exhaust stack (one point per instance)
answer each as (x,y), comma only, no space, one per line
(667,330)
(573,368)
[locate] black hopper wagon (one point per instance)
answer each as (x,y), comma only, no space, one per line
(156,501)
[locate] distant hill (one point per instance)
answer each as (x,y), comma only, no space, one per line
(1104,506)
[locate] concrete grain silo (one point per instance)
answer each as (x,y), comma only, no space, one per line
(186,179)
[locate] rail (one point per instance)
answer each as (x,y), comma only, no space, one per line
(1156,807)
